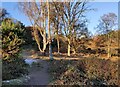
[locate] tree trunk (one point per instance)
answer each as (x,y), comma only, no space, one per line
(68,47)
(50,51)
(37,39)
(44,36)
(44,48)
(74,51)
(36,35)
(49,34)
(109,41)
(108,52)
(58,44)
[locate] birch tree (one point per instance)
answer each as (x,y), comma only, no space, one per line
(39,16)
(71,14)
(49,33)
(106,24)
(80,32)
(56,20)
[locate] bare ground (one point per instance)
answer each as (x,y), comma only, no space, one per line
(38,76)
(41,76)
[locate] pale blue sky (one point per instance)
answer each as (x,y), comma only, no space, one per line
(101,8)
(93,16)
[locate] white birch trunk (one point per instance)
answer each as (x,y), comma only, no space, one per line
(58,44)
(49,34)
(109,41)
(68,47)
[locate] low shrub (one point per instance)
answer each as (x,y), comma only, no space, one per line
(13,68)
(104,71)
(89,71)
(57,66)
(13,38)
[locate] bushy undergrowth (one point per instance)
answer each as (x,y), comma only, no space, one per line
(12,39)
(13,67)
(90,71)
(57,66)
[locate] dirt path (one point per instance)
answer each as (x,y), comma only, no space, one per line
(38,75)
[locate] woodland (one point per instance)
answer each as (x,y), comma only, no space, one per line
(58,48)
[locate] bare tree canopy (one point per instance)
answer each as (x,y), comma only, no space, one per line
(107,22)
(67,18)
(3,13)
(105,26)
